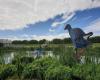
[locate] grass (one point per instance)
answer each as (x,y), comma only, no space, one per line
(87,71)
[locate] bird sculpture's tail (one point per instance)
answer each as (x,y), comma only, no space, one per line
(88,35)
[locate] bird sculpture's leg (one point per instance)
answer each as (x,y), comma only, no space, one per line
(76,54)
(82,50)
(79,52)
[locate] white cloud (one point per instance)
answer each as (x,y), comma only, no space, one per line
(22,37)
(65,17)
(75,5)
(15,14)
(51,30)
(94,27)
(51,37)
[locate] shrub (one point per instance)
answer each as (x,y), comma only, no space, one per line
(6,71)
(97,75)
(1,45)
(31,71)
(66,56)
(20,62)
(37,68)
(23,60)
(87,71)
(58,73)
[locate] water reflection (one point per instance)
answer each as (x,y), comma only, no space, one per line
(92,59)
(8,57)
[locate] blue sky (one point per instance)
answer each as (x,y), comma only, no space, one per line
(87,18)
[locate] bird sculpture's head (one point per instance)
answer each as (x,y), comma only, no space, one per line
(68,26)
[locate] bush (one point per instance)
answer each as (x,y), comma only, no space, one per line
(97,76)
(37,68)
(58,73)
(87,71)
(19,63)
(6,71)
(1,60)
(23,60)
(66,56)
(31,71)
(1,45)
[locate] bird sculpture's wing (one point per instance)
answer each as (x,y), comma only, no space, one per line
(77,37)
(87,36)
(78,33)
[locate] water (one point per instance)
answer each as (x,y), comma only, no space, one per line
(93,59)
(8,57)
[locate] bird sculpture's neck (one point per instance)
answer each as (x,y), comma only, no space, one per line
(69,28)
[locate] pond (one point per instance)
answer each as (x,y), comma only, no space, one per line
(7,57)
(92,59)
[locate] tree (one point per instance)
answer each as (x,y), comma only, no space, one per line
(56,41)
(17,42)
(66,40)
(95,39)
(1,44)
(33,42)
(43,41)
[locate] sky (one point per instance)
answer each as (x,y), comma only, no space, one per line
(45,19)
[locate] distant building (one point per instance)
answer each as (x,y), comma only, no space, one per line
(5,42)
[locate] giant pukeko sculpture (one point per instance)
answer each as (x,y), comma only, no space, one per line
(77,36)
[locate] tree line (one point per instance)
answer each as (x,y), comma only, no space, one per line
(95,39)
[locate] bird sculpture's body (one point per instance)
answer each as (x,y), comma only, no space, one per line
(77,36)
